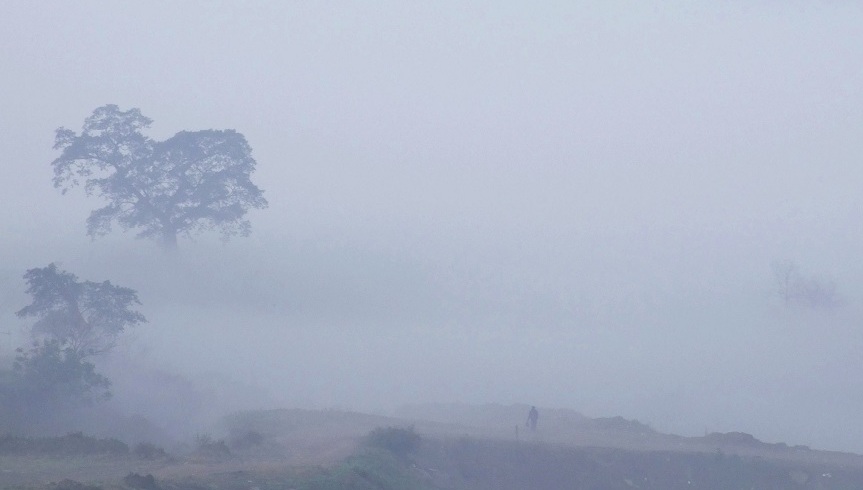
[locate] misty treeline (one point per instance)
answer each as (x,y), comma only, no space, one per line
(797,289)
(187,184)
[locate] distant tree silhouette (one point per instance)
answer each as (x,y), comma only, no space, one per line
(191,182)
(795,289)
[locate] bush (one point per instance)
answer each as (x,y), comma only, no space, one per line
(398,440)
(208,448)
(51,372)
(140,482)
(246,440)
(145,450)
(68,484)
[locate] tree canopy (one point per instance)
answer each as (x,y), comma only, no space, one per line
(191,182)
(85,317)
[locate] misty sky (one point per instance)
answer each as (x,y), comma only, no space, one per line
(567,204)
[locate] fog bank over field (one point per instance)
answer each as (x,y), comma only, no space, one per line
(582,206)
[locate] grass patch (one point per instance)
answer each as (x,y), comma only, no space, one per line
(74,444)
(68,484)
(372,469)
(400,441)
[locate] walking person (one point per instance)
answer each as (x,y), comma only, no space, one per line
(532,418)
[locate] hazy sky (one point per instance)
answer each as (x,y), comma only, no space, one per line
(568,204)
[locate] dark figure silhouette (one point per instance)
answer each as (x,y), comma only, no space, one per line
(532,417)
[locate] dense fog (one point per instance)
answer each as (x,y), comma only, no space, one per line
(584,205)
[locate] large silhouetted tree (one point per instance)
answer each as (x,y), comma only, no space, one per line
(191,182)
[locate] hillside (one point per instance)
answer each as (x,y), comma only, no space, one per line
(461,448)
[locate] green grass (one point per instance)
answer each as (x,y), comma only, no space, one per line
(73,444)
(371,469)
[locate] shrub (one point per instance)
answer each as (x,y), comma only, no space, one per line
(148,451)
(208,448)
(68,484)
(140,482)
(246,440)
(398,440)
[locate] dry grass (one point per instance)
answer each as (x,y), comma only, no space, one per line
(325,448)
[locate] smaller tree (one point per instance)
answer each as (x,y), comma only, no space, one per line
(84,317)
(795,289)
(75,321)
(787,277)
